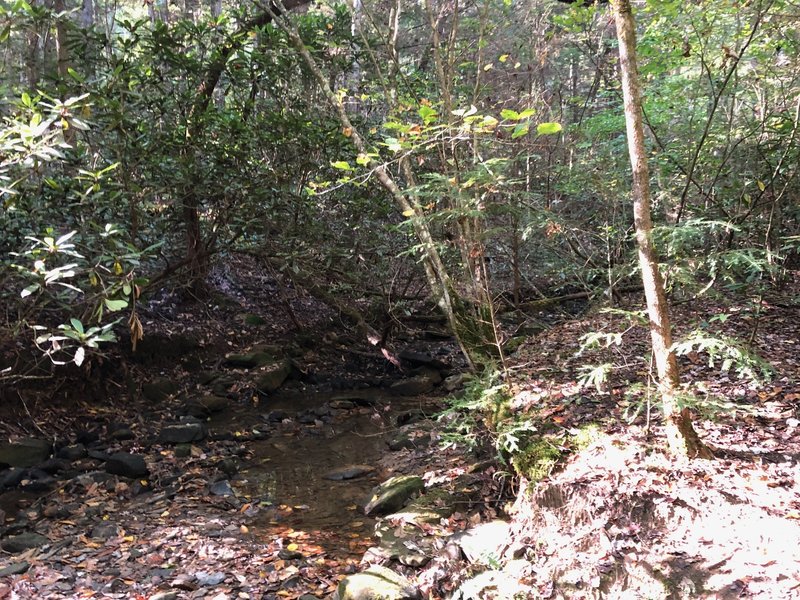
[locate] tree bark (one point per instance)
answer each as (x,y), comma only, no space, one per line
(681,436)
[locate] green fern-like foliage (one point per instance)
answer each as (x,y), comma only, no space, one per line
(729,353)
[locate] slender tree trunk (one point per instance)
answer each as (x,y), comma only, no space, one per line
(681,436)
(86,18)
(216,8)
(32,58)
(62,50)
(436,273)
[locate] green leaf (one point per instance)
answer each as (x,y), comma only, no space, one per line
(29,290)
(342,165)
(520,130)
(76,325)
(528,112)
(75,75)
(393,144)
(548,128)
(509,114)
(115,305)
(428,114)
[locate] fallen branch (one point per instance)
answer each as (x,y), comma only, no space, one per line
(545,302)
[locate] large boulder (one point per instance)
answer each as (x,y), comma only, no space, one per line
(159,390)
(376,583)
(272,375)
(248,360)
(182,433)
(27,452)
(392,494)
(127,465)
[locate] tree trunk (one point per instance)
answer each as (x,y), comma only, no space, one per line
(459,317)
(86,19)
(198,249)
(681,436)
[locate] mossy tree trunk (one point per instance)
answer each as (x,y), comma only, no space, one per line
(681,436)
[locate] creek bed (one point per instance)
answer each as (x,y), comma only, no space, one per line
(284,474)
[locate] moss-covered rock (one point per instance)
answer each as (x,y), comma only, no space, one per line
(255,320)
(272,375)
(376,583)
(248,360)
(27,452)
(159,390)
(392,494)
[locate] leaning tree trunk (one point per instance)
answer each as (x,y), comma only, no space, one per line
(681,436)
(448,300)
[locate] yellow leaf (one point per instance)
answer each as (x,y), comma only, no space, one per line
(503,58)
(408,213)
(292,547)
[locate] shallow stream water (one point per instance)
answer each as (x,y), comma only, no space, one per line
(286,471)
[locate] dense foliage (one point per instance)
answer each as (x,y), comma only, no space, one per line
(140,144)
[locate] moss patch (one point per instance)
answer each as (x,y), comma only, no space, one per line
(586,436)
(536,460)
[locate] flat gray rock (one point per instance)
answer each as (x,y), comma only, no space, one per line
(485,542)
(15,569)
(24,541)
(182,433)
(221,488)
(27,452)
(348,472)
(127,465)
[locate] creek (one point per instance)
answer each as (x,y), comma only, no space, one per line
(318,435)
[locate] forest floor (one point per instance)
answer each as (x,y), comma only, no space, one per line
(612,517)
(620,518)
